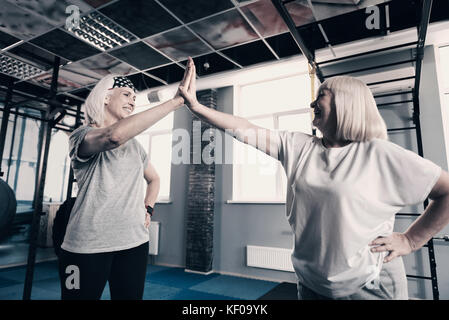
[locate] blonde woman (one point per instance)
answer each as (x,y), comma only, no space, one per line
(343,192)
(107,233)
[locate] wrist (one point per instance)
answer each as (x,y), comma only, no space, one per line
(178,101)
(195,106)
(150,209)
(411,242)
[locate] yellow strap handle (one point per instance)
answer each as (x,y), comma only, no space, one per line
(312,74)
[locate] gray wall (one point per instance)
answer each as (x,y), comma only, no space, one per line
(239,225)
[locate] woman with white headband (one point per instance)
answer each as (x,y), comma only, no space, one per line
(343,192)
(107,233)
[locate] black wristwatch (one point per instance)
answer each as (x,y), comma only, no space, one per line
(150,210)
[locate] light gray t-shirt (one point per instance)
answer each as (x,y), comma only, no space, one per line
(340,199)
(109,212)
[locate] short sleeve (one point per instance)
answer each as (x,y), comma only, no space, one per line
(143,154)
(75,140)
(409,178)
(287,145)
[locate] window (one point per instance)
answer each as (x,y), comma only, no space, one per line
(157,142)
(58,167)
(19,163)
(281,104)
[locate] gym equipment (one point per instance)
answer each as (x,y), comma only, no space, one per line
(8,206)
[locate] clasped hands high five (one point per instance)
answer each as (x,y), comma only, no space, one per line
(187,86)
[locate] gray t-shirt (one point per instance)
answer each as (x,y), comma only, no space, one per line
(109,212)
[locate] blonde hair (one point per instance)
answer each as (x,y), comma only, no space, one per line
(94,104)
(358,118)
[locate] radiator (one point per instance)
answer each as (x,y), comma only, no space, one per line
(269,258)
(154,238)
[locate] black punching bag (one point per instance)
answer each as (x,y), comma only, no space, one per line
(8,206)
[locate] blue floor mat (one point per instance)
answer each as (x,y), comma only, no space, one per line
(162,283)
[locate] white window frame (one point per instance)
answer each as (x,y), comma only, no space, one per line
(151,134)
(236,177)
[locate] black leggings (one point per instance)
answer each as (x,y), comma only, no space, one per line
(84,276)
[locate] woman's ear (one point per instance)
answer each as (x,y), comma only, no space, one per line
(107,99)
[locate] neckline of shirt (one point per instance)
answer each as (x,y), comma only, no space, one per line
(319,141)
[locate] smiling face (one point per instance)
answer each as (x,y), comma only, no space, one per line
(325,115)
(119,104)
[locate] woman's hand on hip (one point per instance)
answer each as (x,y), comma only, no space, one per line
(187,87)
(397,244)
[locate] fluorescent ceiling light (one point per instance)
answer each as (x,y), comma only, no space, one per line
(17,68)
(101,32)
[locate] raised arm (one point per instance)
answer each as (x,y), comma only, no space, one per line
(238,127)
(113,136)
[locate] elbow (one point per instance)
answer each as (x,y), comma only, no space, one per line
(154,180)
(113,138)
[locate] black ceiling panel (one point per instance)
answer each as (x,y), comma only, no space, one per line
(21,23)
(178,44)
(97,3)
(6,40)
(250,53)
(351,27)
(312,36)
(35,55)
(190,10)
(4,79)
(284,45)
(53,11)
(142,17)
(405,14)
(440,11)
(142,81)
(31,89)
(225,29)
(212,63)
(64,45)
(171,73)
(140,56)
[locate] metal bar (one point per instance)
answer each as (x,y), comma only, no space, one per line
(370,68)
(11,149)
(71,174)
(62,129)
(408,214)
(58,118)
(297,37)
(25,115)
(368,52)
(390,103)
(418,277)
(401,129)
(422,32)
(391,80)
(19,154)
(392,94)
(45,135)
(5,119)
(33,98)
